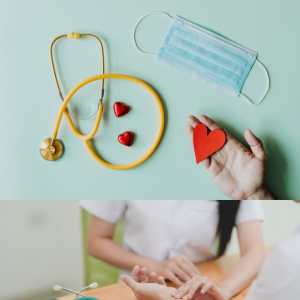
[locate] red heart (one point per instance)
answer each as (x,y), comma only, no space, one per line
(121,109)
(207,144)
(126,138)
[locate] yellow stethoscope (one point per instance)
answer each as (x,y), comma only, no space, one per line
(51,149)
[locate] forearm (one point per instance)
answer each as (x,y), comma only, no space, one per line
(243,272)
(114,254)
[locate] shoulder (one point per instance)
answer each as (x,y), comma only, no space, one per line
(108,210)
(250,210)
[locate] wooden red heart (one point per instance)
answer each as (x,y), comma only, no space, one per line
(121,109)
(207,144)
(126,138)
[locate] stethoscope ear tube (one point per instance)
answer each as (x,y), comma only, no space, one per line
(77,36)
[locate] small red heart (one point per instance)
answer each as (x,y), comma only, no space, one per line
(121,109)
(126,138)
(207,144)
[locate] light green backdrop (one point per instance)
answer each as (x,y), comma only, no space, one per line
(29,100)
(95,269)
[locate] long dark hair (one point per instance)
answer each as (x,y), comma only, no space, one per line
(227,214)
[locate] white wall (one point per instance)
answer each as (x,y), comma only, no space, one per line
(282,218)
(40,245)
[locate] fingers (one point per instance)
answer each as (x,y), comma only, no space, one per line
(130,281)
(174,279)
(187,266)
(182,290)
(206,162)
(255,145)
(161,280)
(206,287)
(192,145)
(143,273)
(180,272)
(189,129)
(193,121)
(194,287)
(193,267)
(191,287)
(135,273)
(211,124)
(152,277)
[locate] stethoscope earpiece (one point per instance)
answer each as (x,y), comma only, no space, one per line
(84,297)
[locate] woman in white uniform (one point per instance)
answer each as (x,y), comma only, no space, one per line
(278,279)
(169,236)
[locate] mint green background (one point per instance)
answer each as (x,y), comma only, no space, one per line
(29,100)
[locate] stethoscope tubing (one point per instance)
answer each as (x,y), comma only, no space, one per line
(64,110)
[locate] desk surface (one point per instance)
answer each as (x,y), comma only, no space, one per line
(216,270)
(29,100)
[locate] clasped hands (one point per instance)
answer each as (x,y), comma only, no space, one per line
(197,288)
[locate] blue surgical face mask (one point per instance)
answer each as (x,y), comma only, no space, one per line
(206,56)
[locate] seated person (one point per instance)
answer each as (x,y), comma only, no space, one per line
(278,279)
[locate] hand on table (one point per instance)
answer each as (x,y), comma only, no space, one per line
(147,290)
(201,288)
(176,267)
(237,172)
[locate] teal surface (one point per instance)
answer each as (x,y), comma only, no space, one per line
(88,298)
(29,102)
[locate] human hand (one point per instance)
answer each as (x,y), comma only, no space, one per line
(176,267)
(147,290)
(236,171)
(201,288)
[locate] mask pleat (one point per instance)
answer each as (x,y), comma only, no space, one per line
(198,74)
(203,64)
(212,45)
(207,55)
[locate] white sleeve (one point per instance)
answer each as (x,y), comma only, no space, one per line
(250,210)
(107,210)
(278,278)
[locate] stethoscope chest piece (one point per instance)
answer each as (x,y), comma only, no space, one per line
(51,149)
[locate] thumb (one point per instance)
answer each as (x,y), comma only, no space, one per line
(255,144)
(130,282)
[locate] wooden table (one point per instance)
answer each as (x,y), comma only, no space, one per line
(216,270)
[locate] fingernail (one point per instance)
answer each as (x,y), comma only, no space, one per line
(189,295)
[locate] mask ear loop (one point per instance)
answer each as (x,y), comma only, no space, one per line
(266,90)
(154,12)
